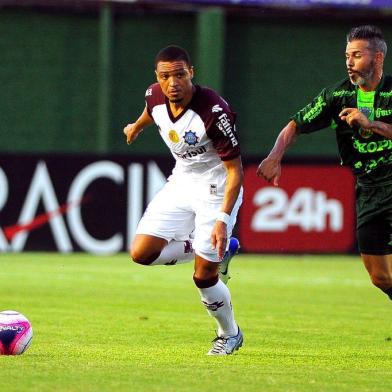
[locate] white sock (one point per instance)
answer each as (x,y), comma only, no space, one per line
(175,252)
(217,301)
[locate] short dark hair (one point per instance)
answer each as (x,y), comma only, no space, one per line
(173,53)
(369,33)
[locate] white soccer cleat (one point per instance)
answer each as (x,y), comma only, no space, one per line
(226,346)
(234,245)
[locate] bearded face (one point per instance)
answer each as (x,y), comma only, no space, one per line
(360,62)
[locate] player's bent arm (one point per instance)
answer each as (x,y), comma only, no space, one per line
(132,131)
(270,168)
(353,116)
(381,128)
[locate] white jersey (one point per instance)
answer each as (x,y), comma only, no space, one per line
(200,139)
(202,136)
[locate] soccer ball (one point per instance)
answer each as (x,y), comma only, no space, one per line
(15,333)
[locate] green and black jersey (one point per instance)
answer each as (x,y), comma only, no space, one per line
(367,153)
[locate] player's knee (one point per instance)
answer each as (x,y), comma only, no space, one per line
(142,257)
(382,280)
(205,282)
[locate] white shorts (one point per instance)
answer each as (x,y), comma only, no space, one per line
(188,205)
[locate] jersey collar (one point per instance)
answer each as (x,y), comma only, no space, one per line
(175,119)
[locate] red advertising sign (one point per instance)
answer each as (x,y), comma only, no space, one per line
(312,210)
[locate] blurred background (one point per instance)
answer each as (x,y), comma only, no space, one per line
(74,73)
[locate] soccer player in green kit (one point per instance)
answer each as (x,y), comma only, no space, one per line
(359,109)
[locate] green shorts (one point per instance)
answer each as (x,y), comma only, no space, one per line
(374,218)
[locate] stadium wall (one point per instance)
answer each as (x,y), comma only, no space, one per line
(71,79)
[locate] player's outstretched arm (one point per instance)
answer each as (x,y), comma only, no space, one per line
(270,167)
(131,131)
(232,190)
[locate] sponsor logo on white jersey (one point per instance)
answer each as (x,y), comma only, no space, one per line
(224,125)
(216,109)
(173,136)
(192,153)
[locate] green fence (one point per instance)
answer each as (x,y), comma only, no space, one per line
(70,81)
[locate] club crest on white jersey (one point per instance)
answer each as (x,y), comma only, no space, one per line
(190,138)
(202,135)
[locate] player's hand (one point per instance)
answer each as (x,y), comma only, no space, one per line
(353,117)
(131,132)
(219,238)
(270,170)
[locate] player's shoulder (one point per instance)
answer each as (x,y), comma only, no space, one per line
(341,85)
(207,101)
(388,78)
(338,90)
(386,83)
(154,95)
(209,96)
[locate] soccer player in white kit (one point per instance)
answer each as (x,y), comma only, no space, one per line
(193,215)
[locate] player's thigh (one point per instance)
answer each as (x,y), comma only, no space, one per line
(374,234)
(206,214)
(168,215)
(374,219)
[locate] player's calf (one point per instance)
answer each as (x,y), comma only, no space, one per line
(379,268)
(383,281)
(215,296)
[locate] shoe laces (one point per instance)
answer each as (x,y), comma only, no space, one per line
(219,344)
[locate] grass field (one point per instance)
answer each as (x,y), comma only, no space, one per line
(103,324)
